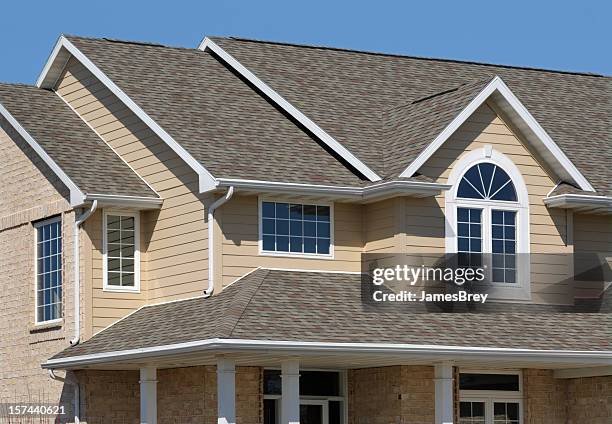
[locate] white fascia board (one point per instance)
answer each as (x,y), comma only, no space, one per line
(77,197)
(331,348)
(208,44)
(357,194)
(206,180)
(570,201)
(583,372)
(136,202)
(497,84)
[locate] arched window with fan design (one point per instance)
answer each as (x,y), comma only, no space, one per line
(487,210)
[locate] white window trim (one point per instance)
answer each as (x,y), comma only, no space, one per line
(105,286)
(521,291)
(36,226)
(263,252)
(488,397)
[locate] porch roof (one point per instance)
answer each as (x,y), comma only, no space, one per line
(289,307)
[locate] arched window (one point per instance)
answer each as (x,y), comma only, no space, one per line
(488,213)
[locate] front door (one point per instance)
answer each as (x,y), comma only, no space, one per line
(313,412)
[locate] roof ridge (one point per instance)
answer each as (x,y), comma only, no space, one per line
(406,56)
(130,42)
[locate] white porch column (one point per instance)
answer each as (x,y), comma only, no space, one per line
(444,393)
(290,398)
(226,391)
(148,395)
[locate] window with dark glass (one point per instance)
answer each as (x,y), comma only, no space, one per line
(49,270)
(121,240)
(486,181)
(502,382)
(503,245)
(295,228)
(469,236)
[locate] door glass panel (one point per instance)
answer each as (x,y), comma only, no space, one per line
(472,413)
(270,411)
(311,414)
(505,413)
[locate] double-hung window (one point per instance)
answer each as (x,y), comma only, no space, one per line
(121,251)
(48,270)
(292,228)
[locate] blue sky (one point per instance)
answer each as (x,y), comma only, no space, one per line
(561,35)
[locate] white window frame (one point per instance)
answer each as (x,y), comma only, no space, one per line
(521,290)
(489,397)
(105,285)
(36,226)
(263,252)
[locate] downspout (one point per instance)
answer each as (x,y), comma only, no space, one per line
(211,246)
(76,405)
(77,272)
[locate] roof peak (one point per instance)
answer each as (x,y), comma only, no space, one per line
(405,56)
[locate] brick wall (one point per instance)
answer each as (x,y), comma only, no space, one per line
(397,394)
(184,395)
(589,400)
(27,195)
(544,397)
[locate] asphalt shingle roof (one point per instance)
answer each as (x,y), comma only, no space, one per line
(347,93)
(287,305)
(89,162)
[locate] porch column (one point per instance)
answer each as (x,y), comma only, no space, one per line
(290,394)
(148,395)
(226,391)
(444,393)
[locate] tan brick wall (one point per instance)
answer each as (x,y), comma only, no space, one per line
(397,394)
(544,397)
(184,395)
(27,195)
(589,400)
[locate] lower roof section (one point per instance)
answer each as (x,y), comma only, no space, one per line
(306,312)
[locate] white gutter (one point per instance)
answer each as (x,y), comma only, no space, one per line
(76,401)
(333,348)
(350,193)
(125,201)
(77,271)
(211,246)
(573,201)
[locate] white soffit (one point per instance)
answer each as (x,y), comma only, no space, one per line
(208,44)
(514,110)
(55,64)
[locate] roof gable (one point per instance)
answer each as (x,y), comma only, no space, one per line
(499,92)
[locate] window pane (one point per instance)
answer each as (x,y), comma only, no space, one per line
(295,228)
(319,383)
(310,229)
(471,413)
(282,243)
(48,271)
(120,250)
(296,212)
(267,209)
(310,212)
(503,243)
(323,213)
(282,210)
(282,227)
(504,382)
(323,246)
(295,244)
(323,229)
(268,242)
(310,245)
(268,226)
(272,382)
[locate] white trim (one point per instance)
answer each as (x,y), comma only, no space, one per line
(137,202)
(579,201)
(263,252)
(105,286)
(206,180)
(583,372)
(76,195)
(370,193)
(226,391)
(444,401)
(208,44)
(522,290)
(148,395)
(36,226)
(302,347)
(498,85)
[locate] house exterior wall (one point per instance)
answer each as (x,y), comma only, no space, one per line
(548,228)
(589,400)
(30,192)
(175,238)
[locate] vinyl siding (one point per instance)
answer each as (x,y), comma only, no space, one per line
(548,227)
(174,239)
(592,235)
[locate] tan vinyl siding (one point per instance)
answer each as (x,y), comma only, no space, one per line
(592,236)
(174,239)
(239,219)
(548,227)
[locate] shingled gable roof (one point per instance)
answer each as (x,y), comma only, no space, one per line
(284,305)
(217,117)
(574,109)
(87,165)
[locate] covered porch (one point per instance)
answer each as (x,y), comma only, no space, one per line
(250,381)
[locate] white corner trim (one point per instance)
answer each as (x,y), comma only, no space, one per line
(208,44)
(497,84)
(206,178)
(77,197)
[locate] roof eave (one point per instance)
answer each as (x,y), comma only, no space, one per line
(581,203)
(132,202)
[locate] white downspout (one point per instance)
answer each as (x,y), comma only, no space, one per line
(77,272)
(76,406)
(211,247)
